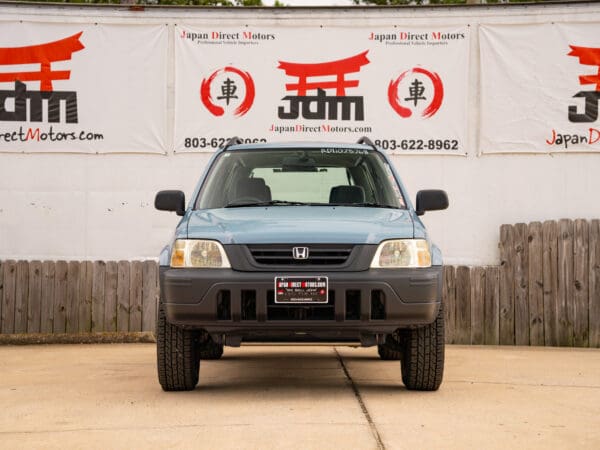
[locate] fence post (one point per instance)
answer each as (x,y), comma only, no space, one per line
(478,281)
(150,295)
(98,293)
(491,313)
(550,274)
(60,296)
(521,280)
(462,332)
(85,298)
(580,300)
(2,264)
(536,284)
(135,296)
(565,310)
(110,296)
(21,295)
(8,302)
(47,300)
(507,301)
(594,283)
(34,299)
(123,296)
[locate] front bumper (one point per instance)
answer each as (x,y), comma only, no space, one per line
(229,302)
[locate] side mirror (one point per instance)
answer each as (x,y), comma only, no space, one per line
(431,200)
(170,201)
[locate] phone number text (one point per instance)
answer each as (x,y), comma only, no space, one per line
(215,142)
(417,144)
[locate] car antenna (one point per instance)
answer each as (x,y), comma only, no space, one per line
(232,141)
(365,140)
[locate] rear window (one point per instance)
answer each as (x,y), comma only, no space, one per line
(352,177)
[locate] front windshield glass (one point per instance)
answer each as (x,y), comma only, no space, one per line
(338,176)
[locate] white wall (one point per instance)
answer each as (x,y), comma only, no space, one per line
(72,206)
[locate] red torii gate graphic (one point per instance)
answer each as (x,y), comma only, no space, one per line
(321,106)
(588,56)
(337,68)
(43,54)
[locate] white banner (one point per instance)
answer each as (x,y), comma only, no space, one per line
(82,87)
(540,87)
(404,88)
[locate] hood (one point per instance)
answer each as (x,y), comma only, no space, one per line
(300,224)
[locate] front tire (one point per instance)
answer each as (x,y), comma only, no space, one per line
(177,356)
(423,356)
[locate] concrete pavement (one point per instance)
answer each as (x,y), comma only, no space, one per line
(107,396)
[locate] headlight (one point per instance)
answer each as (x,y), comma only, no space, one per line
(198,253)
(402,253)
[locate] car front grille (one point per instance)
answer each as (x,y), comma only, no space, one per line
(318,255)
(354,304)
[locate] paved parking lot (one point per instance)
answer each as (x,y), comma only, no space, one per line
(107,396)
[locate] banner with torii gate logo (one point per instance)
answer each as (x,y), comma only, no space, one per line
(83,88)
(540,88)
(404,88)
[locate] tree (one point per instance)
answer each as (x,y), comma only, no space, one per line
(437,2)
(405,2)
(168,2)
(204,2)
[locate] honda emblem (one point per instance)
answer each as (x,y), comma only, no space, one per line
(300,252)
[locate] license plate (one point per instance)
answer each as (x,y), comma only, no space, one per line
(301,290)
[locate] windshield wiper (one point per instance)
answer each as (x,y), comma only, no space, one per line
(292,203)
(266,203)
(365,205)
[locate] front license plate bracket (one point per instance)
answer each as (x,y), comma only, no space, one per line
(301,290)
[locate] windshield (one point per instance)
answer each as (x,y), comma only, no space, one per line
(339,176)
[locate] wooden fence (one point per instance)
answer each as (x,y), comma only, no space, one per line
(77,297)
(546,291)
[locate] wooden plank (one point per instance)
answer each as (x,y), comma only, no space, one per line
(565,309)
(34,300)
(449,301)
(550,281)
(110,296)
(1,292)
(60,297)
(47,309)
(123,268)
(463,305)
(149,295)
(85,300)
(491,311)
(73,295)
(507,301)
(581,274)
(521,280)
(21,296)
(135,296)
(9,274)
(536,284)
(98,285)
(477,304)
(594,283)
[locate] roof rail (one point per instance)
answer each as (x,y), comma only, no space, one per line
(365,140)
(232,141)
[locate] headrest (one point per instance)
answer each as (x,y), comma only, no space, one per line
(347,194)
